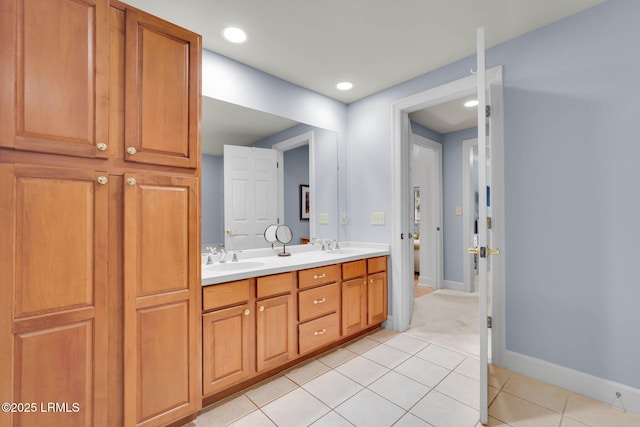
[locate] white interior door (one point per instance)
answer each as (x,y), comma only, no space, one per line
(250,195)
(484,231)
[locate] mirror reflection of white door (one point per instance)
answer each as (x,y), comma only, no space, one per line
(250,196)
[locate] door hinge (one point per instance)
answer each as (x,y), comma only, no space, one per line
(277,165)
(489,222)
(489,322)
(487,110)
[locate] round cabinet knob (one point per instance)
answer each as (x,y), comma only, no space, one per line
(246,312)
(102,180)
(131,150)
(229,232)
(101,146)
(131,181)
(262,308)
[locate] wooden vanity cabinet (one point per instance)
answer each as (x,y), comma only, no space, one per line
(364,294)
(162,102)
(377,306)
(318,307)
(53,271)
(227,335)
(256,327)
(100,260)
(275,317)
(354,296)
(54,82)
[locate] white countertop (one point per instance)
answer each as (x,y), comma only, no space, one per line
(262,262)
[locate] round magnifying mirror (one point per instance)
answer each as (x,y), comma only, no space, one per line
(270,234)
(284,236)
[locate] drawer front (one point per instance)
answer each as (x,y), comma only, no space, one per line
(275,284)
(354,269)
(225,294)
(318,276)
(318,301)
(319,332)
(377,264)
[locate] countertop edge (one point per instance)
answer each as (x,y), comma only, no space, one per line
(294,266)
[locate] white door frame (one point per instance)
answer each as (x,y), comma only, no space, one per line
(402,295)
(437,197)
(286,145)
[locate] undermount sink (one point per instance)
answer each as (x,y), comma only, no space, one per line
(231,266)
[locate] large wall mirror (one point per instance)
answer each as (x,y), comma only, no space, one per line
(240,197)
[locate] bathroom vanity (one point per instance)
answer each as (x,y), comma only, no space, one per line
(265,314)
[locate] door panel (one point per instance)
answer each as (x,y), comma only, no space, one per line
(161,313)
(483,231)
(251,195)
(274,332)
(354,308)
(162,104)
(56,101)
(64,375)
(53,309)
(163,346)
(377,298)
(226,349)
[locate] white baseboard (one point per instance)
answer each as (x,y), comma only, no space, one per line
(454,286)
(579,382)
(426,282)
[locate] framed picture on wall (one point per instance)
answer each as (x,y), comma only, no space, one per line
(304,202)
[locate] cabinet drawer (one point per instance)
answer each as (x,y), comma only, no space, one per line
(319,332)
(318,301)
(375,265)
(275,284)
(318,276)
(216,296)
(354,269)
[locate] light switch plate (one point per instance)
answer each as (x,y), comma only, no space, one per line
(323,218)
(377,218)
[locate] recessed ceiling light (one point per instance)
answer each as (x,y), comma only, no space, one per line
(234,35)
(344,85)
(472,103)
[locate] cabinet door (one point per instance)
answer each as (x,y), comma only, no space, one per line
(274,332)
(225,348)
(161,311)
(54,72)
(162,101)
(53,311)
(377,298)
(354,305)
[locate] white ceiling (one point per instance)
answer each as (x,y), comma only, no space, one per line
(373,43)
(225,123)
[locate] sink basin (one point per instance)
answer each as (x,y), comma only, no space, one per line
(232,266)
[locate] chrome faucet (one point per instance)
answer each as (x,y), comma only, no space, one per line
(212,251)
(223,255)
(235,257)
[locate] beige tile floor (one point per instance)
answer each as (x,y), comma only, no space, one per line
(393,379)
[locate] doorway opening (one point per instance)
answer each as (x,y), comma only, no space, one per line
(402,252)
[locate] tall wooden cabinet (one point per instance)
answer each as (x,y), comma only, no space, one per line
(99,214)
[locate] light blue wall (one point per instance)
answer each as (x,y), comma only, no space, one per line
(571,154)
(418,129)
(296,173)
